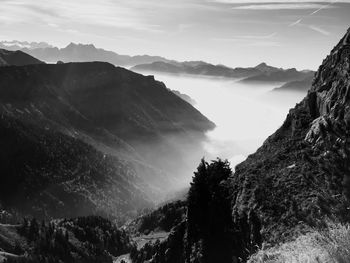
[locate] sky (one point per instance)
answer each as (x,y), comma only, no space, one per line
(231,32)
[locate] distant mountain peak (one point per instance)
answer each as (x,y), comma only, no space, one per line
(263,67)
(78,52)
(80,45)
(16,45)
(262,64)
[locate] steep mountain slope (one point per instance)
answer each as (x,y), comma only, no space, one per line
(285,181)
(46,174)
(16,58)
(60,121)
(296,181)
(113,105)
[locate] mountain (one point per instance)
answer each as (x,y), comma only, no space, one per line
(280,75)
(294,176)
(48,174)
(296,85)
(293,184)
(78,53)
(185,97)
(145,63)
(17,45)
(196,68)
(260,73)
(75,140)
(16,58)
(263,67)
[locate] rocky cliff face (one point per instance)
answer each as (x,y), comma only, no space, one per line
(291,181)
(329,96)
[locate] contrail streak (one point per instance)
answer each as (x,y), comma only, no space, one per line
(296,22)
(323,7)
(317,29)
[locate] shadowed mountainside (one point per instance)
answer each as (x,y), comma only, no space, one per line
(16,58)
(76,139)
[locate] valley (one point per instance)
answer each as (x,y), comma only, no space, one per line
(245,114)
(103,164)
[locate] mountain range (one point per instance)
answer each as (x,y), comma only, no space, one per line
(261,73)
(14,45)
(77,53)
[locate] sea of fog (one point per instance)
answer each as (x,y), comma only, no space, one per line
(245,114)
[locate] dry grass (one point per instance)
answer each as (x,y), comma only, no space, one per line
(331,245)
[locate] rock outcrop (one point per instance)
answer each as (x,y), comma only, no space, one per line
(290,181)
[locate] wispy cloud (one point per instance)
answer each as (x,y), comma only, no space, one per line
(274,1)
(248,37)
(86,12)
(295,23)
(319,30)
(265,44)
(252,40)
(269,36)
(282,6)
(324,7)
(314,27)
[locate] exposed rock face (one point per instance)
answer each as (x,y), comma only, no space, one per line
(284,180)
(329,96)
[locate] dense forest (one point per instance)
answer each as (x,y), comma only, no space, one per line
(83,239)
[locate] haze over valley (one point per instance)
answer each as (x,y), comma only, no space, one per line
(189,131)
(245,114)
(257,98)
